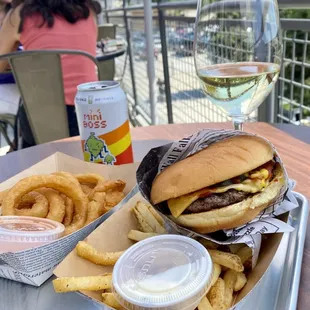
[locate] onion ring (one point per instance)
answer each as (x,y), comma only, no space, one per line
(58,183)
(69,206)
(69,211)
(68,176)
(96,207)
(86,189)
(38,205)
(56,204)
(89,181)
(2,195)
(108,186)
(112,199)
(89,178)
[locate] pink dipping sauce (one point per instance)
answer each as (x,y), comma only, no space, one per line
(19,233)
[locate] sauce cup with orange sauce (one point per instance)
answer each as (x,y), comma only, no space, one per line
(19,233)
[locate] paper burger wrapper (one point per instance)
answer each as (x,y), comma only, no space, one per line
(251,234)
(34,266)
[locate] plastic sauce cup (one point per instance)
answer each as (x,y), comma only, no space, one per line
(170,272)
(24,232)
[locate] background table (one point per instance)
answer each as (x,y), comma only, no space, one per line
(103,56)
(9,94)
(295,154)
(7,78)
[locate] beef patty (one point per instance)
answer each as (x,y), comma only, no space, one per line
(216,201)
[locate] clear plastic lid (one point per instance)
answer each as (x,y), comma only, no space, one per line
(29,229)
(164,272)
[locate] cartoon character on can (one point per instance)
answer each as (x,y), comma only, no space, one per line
(96,150)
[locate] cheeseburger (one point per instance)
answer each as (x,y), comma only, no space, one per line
(223,186)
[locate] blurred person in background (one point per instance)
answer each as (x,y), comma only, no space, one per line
(54,24)
(9,93)
(5,7)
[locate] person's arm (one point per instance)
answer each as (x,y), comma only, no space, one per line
(9,36)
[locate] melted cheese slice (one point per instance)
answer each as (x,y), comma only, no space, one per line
(260,174)
(256,182)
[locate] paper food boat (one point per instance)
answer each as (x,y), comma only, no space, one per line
(35,266)
(111,236)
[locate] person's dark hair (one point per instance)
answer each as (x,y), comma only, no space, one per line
(7,7)
(71,10)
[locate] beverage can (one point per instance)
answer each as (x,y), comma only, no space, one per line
(102,115)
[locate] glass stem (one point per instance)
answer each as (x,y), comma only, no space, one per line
(238,123)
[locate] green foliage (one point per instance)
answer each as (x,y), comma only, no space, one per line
(296,75)
(303,14)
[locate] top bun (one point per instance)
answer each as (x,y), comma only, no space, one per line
(219,162)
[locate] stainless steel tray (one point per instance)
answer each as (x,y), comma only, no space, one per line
(278,288)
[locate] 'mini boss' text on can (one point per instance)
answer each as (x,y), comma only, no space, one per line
(102,114)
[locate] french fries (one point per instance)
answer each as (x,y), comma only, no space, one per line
(108,290)
(227,265)
(230,279)
(227,275)
(208,244)
(143,225)
(240,281)
(245,254)
(235,247)
(159,219)
(137,235)
(216,295)
(216,273)
(205,304)
(231,261)
(71,284)
(86,251)
(147,218)
(110,300)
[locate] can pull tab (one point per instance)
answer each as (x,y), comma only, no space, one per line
(98,87)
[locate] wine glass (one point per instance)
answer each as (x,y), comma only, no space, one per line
(237,52)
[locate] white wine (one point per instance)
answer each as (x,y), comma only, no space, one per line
(239,88)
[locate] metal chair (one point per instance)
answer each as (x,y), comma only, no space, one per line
(38,74)
(107,68)
(9,96)
(6,121)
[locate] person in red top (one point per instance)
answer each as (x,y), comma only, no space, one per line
(54,24)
